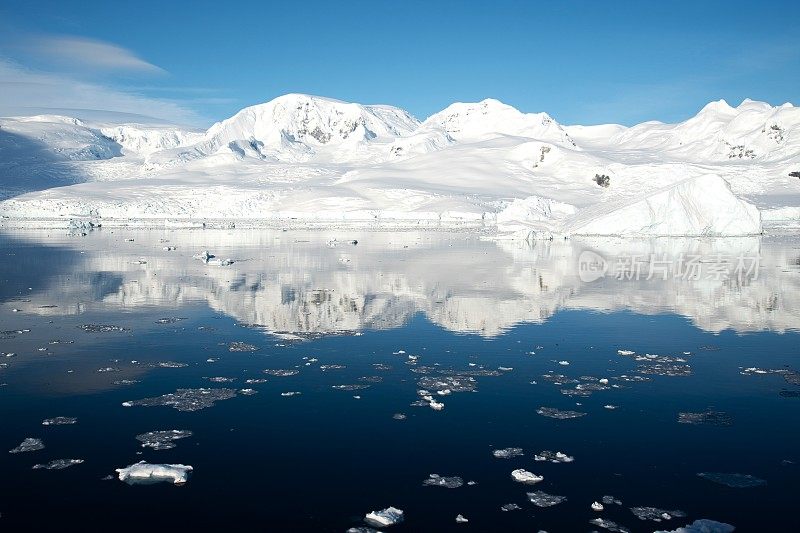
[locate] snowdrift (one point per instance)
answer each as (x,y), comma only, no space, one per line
(702,206)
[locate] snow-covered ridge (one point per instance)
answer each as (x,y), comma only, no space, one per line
(304,159)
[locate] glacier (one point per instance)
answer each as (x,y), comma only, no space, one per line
(308,161)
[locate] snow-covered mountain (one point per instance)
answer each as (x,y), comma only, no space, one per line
(302,159)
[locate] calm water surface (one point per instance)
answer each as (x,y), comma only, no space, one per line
(393,314)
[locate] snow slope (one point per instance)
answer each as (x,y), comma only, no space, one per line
(306,160)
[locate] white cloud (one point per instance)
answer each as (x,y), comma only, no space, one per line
(90,54)
(27,92)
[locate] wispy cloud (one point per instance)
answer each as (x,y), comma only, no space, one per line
(86,53)
(27,91)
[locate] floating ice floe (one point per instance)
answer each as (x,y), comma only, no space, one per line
(608,500)
(448,482)
(655,514)
(542,499)
(454,383)
(609,525)
(101,328)
(507,453)
(563,363)
(553,457)
(357,386)
(248,392)
(59,421)
(399,416)
(255,381)
(185,399)
(281,373)
(28,445)
(238,346)
(461,519)
(58,464)
(385,517)
(125,382)
(626,352)
(736,481)
(597,506)
(510,507)
(169,364)
(552,412)
(221,379)
(291,393)
(170,320)
(523,476)
(162,440)
(665,369)
(703,526)
(610,407)
(706,418)
(143,473)
(371,379)
(325,368)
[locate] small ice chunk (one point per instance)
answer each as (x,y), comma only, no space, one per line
(609,525)
(510,507)
(736,481)
(608,500)
(523,476)
(703,526)
(655,514)
(59,421)
(625,352)
(553,457)
(28,445)
(162,440)
(552,412)
(399,416)
(542,499)
(448,482)
(461,519)
(247,392)
(597,506)
(291,393)
(143,473)
(385,517)
(58,464)
(563,363)
(507,453)
(436,406)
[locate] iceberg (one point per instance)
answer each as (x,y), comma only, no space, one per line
(701,206)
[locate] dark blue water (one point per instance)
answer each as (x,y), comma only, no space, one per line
(320,460)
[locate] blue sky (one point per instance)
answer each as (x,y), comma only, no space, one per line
(582,62)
